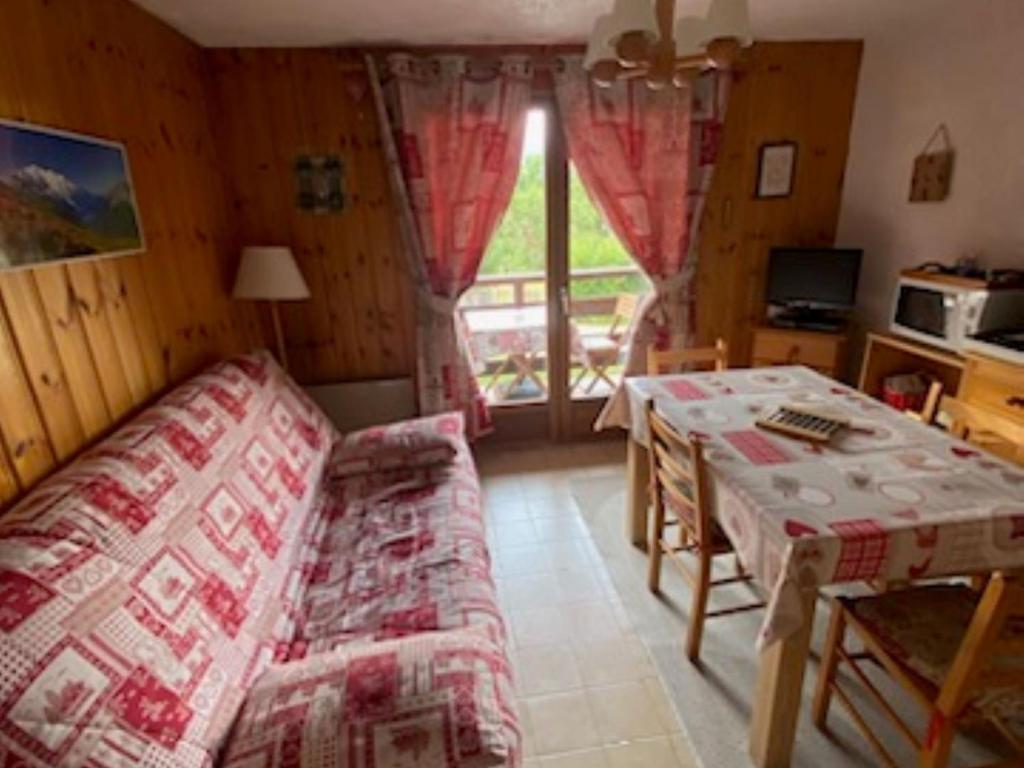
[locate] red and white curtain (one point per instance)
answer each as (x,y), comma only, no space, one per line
(645,158)
(453,136)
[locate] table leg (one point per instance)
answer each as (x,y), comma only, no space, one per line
(780,681)
(638,475)
(494,378)
(519,378)
(531,374)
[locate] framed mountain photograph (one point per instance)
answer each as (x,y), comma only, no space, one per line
(63,196)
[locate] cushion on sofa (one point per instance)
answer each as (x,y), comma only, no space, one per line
(441,699)
(404,552)
(145,586)
(424,442)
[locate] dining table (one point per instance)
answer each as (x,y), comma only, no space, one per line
(888,500)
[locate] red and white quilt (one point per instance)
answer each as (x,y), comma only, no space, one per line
(148,586)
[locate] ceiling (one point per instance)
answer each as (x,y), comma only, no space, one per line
(255,23)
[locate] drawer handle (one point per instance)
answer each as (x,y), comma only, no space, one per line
(1016,401)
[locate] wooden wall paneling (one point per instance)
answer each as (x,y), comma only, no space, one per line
(144,320)
(257,202)
(800,91)
(113,294)
(65,323)
(92,309)
(43,368)
(372,206)
(332,130)
(296,130)
(279,104)
(83,344)
(181,255)
(22,429)
(9,487)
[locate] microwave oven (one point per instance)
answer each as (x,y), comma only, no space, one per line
(947,313)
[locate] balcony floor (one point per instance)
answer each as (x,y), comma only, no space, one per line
(528,392)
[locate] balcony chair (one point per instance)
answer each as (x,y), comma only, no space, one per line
(601,351)
(958,653)
(661,361)
(679,492)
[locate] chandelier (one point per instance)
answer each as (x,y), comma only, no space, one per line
(641,39)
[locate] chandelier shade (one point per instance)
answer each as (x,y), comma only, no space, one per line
(729,20)
(691,37)
(600,47)
(634,17)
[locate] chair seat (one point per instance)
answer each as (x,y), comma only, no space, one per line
(923,628)
(600,345)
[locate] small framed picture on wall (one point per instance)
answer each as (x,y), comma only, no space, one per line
(776,168)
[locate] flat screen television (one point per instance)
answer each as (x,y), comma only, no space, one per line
(813,278)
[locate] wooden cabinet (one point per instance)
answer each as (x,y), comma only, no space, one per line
(886,355)
(824,352)
(990,384)
(994,384)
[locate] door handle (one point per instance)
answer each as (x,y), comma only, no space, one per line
(563,297)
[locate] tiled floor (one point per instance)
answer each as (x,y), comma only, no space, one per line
(589,695)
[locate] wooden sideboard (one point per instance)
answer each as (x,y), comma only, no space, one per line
(992,384)
(824,352)
(885,355)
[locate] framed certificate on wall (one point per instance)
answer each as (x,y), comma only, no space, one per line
(776,168)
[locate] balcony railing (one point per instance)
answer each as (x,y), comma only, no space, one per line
(525,289)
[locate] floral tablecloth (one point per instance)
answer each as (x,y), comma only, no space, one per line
(507,331)
(522,331)
(904,502)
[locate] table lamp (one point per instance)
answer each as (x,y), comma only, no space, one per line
(269,273)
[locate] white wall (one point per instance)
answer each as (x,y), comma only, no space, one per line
(961,64)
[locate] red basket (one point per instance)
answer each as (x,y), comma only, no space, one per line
(905,392)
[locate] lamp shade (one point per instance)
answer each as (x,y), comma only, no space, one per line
(729,20)
(600,48)
(269,272)
(690,34)
(633,16)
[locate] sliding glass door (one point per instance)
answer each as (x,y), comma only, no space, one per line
(548,315)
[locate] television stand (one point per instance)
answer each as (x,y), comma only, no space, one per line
(803,319)
(824,352)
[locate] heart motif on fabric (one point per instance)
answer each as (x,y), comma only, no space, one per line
(1013,478)
(963,453)
(795,529)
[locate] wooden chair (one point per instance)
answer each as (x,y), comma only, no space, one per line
(956,653)
(985,428)
(600,352)
(661,361)
(930,409)
(679,493)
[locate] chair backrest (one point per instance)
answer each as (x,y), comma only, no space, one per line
(660,361)
(980,425)
(989,657)
(622,315)
(930,408)
(678,475)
